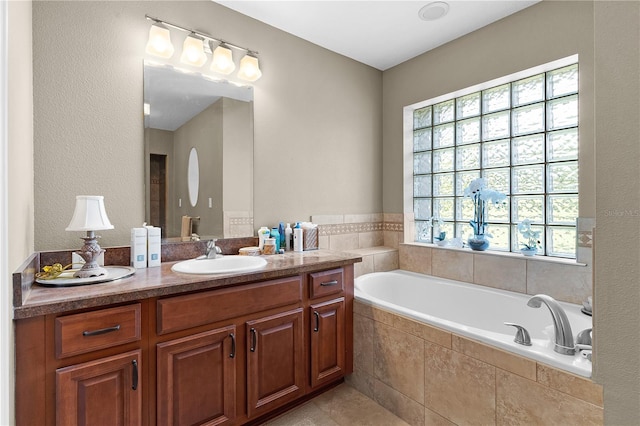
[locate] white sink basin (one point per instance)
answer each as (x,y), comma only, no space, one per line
(220,265)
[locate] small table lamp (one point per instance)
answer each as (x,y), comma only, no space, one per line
(90,216)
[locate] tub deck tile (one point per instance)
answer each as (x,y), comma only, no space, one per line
(458,387)
(507,361)
(577,386)
(522,401)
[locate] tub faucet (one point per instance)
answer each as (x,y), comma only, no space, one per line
(564,336)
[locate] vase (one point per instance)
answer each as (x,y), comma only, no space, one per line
(529,251)
(478,242)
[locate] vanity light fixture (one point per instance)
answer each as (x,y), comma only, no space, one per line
(222,61)
(193,51)
(90,215)
(159,43)
(196,46)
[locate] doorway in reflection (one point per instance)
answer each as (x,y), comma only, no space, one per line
(158,191)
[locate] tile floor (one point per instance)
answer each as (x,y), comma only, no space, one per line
(340,406)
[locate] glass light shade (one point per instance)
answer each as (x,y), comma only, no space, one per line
(159,43)
(249,68)
(222,61)
(89,214)
(193,51)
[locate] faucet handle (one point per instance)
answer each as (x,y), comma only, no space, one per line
(584,337)
(522,335)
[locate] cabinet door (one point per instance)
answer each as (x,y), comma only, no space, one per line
(197,379)
(106,391)
(327,341)
(275,361)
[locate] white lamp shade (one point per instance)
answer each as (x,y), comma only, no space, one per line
(193,51)
(249,68)
(222,61)
(89,214)
(159,43)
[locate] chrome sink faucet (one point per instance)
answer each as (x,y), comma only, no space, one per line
(564,336)
(212,250)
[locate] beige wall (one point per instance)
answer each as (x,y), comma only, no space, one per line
(617,260)
(317,116)
(204,133)
(539,34)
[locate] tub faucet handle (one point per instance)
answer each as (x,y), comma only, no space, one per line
(522,335)
(584,337)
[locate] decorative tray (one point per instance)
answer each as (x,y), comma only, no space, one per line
(66,278)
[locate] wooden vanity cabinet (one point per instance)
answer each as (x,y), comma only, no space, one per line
(104,389)
(196,379)
(275,361)
(225,356)
(327,327)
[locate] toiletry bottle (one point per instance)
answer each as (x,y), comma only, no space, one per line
(276,236)
(139,247)
(269,246)
(288,238)
(281,242)
(263,234)
(153,246)
(297,238)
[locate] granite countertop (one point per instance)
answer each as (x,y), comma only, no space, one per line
(162,281)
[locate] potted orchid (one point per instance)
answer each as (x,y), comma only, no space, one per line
(481,195)
(530,247)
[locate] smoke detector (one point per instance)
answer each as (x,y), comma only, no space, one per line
(433,11)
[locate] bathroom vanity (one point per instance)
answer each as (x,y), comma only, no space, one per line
(167,348)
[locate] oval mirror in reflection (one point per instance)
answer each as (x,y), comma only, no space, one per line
(193,177)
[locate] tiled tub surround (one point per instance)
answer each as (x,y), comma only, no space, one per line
(475,312)
(429,376)
(561,279)
(374,237)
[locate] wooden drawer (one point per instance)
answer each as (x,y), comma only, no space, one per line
(88,331)
(191,310)
(326,282)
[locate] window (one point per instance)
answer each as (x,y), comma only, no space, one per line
(522,137)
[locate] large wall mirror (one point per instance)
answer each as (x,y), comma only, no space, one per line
(187,113)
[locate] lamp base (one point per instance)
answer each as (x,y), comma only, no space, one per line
(90,252)
(87,271)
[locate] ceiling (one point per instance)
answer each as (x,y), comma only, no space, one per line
(380,33)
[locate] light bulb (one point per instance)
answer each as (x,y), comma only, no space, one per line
(249,68)
(159,43)
(193,51)
(222,61)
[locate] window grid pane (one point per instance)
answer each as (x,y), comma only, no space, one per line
(523,138)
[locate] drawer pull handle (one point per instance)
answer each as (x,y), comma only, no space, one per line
(101,331)
(253,340)
(134,375)
(329,283)
(317,315)
(233,345)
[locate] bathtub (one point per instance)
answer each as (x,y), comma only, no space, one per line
(474,311)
